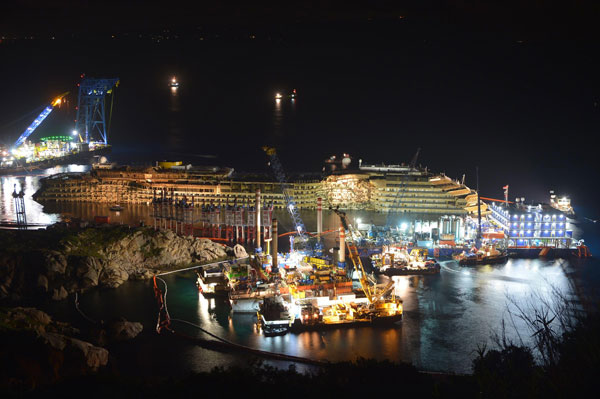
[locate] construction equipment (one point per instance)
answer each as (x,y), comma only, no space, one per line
(40,118)
(91,116)
(378,304)
(289,199)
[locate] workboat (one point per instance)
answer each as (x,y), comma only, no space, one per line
(430,266)
(116,208)
(212,281)
(246,289)
(396,261)
(246,297)
(274,317)
(485,256)
(316,278)
(348,312)
(174,82)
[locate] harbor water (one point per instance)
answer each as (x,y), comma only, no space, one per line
(446,316)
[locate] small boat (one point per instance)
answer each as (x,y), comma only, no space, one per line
(174,82)
(278,96)
(116,208)
(485,256)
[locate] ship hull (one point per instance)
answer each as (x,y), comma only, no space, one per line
(321,325)
(393,271)
(484,261)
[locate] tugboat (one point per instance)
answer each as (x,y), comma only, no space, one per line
(485,256)
(173,82)
(274,317)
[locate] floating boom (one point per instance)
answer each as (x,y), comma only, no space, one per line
(38,121)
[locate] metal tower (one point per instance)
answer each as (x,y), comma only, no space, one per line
(20,208)
(91,117)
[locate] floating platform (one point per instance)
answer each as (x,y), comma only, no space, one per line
(83,157)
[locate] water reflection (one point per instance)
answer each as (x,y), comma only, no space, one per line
(35,211)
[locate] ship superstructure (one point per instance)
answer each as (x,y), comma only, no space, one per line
(532,225)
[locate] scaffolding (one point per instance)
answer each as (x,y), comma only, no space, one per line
(169,212)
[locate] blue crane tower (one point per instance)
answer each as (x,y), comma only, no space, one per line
(91,115)
(38,121)
(289,199)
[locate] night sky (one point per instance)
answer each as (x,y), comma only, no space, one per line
(512,87)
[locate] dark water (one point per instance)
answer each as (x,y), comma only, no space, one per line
(445,318)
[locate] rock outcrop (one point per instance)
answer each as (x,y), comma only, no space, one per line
(103,256)
(42,350)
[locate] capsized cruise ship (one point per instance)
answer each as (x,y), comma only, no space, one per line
(431,204)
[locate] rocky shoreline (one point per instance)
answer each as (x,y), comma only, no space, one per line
(57,262)
(42,266)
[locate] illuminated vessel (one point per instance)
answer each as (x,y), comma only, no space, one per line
(84,157)
(487,255)
(394,261)
(212,281)
(246,290)
(173,82)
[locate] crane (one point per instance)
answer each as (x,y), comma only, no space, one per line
(38,121)
(354,256)
(289,199)
(91,118)
(378,305)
